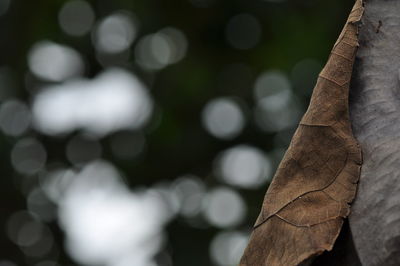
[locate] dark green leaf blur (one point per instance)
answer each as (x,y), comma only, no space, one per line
(146,132)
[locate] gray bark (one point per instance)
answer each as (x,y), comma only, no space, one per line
(375,115)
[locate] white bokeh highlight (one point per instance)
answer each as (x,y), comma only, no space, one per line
(277,108)
(243,166)
(115,33)
(114,100)
(223,118)
(104,222)
(158,50)
(227,247)
(190,191)
(54,62)
(224,207)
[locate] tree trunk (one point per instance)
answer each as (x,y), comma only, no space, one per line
(375,116)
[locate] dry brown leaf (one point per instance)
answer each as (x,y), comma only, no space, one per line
(304,206)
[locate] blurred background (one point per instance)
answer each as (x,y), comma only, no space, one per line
(146,132)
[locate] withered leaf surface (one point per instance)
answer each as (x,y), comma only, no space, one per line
(304,207)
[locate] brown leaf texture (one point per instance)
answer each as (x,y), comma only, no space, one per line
(303,209)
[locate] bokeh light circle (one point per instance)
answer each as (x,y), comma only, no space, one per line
(243,166)
(224,207)
(223,118)
(76,17)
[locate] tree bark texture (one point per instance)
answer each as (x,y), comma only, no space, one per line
(375,116)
